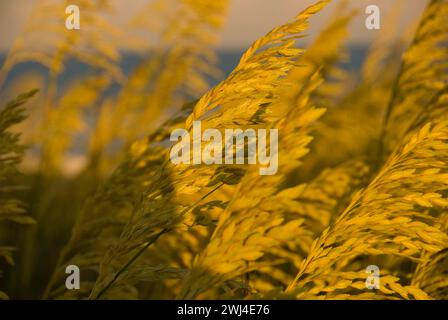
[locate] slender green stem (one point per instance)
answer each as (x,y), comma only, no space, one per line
(130,262)
(149,243)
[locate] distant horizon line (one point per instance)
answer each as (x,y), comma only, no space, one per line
(219,49)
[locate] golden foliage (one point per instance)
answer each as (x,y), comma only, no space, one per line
(146,156)
(176,70)
(362,162)
(430,274)
(178,189)
(49,43)
(386,218)
(12,210)
(422,76)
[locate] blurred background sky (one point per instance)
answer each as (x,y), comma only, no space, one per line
(247,21)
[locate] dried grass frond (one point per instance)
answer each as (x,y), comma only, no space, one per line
(12,210)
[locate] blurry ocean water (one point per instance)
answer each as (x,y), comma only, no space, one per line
(228,61)
(75,70)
